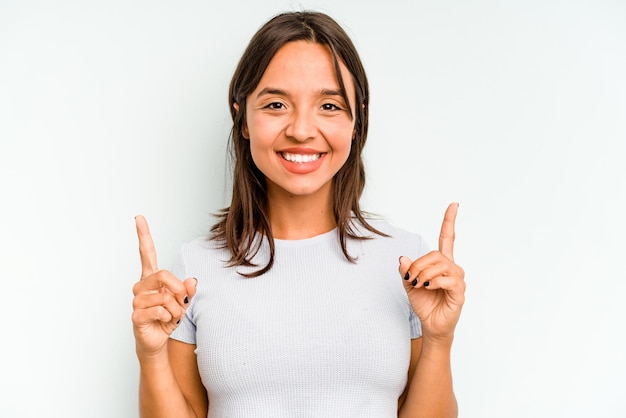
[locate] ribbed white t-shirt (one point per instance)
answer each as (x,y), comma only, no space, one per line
(316,336)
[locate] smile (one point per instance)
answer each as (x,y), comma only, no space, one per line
(300,158)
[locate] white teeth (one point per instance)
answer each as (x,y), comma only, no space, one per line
(300,158)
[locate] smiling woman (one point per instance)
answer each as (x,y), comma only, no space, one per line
(296,305)
(300,129)
(249,211)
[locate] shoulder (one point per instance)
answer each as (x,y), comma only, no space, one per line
(203,243)
(386,227)
(204,259)
(397,237)
(201,249)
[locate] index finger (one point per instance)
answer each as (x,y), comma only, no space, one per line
(147,252)
(446,237)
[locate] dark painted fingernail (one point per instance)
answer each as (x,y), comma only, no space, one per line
(426,284)
(186,300)
(414,282)
(406,276)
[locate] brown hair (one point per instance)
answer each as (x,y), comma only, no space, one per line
(247,215)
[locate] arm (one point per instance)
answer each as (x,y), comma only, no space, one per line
(429,387)
(170,384)
(436,290)
(160,302)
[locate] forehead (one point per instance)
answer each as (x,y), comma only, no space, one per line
(305,64)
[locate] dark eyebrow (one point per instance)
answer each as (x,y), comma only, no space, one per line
(329,92)
(279,92)
(271,90)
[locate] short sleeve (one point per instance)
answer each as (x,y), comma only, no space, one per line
(186,330)
(415,325)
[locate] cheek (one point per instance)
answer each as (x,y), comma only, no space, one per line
(341,137)
(261,147)
(258,152)
(264,129)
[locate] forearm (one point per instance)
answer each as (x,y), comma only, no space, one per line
(430,393)
(160,395)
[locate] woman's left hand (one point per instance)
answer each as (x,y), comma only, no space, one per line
(435,284)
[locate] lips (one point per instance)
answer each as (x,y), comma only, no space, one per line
(301,160)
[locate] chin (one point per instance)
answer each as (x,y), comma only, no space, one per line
(305,190)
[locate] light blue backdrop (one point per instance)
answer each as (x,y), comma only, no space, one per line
(516,109)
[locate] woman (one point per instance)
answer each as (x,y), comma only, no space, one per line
(293,307)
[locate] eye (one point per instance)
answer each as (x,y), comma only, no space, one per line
(275,106)
(330,106)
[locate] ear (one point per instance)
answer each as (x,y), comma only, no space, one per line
(244,130)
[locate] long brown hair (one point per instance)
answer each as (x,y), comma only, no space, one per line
(247,215)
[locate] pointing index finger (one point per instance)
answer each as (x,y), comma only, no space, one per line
(147,252)
(446,237)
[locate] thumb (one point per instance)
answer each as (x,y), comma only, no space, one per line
(404,264)
(191,285)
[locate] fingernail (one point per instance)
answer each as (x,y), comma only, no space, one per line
(186,300)
(196,281)
(426,284)
(414,282)
(406,276)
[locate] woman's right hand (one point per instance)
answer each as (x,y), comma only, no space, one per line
(160,301)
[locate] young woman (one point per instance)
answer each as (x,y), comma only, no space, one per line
(294,307)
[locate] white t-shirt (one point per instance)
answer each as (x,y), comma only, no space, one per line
(316,336)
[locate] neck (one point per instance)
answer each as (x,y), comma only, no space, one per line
(300,217)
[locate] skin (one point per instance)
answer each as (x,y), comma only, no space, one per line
(160,302)
(436,289)
(296,109)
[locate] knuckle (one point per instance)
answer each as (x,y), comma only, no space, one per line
(167,298)
(167,279)
(138,317)
(135,317)
(435,256)
(137,288)
(162,314)
(163,276)
(447,235)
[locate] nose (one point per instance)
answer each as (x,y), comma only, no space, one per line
(302,126)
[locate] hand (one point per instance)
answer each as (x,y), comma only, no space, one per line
(160,298)
(435,284)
